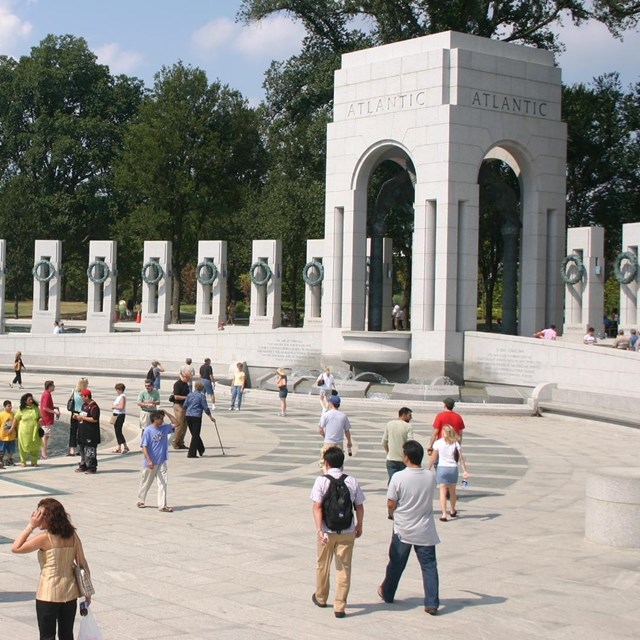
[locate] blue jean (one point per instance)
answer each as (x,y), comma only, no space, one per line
(236,396)
(398,556)
(393,466)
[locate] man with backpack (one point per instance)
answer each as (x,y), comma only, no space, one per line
(335,495)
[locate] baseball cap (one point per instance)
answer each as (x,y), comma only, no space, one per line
(335,400)
(85,392)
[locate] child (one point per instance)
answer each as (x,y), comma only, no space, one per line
(8,434)
(155,446)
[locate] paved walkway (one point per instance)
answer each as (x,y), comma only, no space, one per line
(236,558)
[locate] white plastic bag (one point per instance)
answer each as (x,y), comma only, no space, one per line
(89,629)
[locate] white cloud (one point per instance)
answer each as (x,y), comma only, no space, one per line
(214,35)
(277,37)
(13,30)
(118,60)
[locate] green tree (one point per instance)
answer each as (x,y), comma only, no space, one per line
(603,156)
(189,159)
(61,124)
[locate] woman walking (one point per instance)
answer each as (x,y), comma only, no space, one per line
(283,391)
(194,406)
(58,545)
(27,423)
(446,454)
(82,384)
(18,368)
(119,410)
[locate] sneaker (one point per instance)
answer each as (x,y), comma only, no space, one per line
(230,408)
(213,407)
(237,408)
(10,463)
(89,471)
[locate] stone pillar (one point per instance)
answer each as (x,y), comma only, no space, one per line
(386,286)
(46,286)
(612,507)
(101,296)
(211,298)
(156,296)
(266,297)
(3,282)
(629,318)
(584,301)
(313,295)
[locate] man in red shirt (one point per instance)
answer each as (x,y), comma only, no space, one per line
(449,416)
(49,412)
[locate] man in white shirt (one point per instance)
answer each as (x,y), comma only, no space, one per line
(410,505)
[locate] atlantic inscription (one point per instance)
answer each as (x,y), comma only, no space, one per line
(510,104)
(386,104)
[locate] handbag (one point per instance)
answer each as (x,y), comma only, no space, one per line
(113,418)
(71,403)
(320,382)
(83,580)
(41,432)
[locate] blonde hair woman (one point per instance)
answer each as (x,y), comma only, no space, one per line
(446,454)
(82,384)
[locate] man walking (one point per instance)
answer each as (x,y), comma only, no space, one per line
(334,427)
(332,541)
(209,382)
(49,413)
(155,446)
(396,433)
(410,505)
(448,416)
(180,393)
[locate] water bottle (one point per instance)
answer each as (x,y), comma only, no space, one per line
(465,484)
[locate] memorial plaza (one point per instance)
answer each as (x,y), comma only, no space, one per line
(236,559)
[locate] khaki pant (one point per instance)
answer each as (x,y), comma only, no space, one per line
(145,419)
(181,426)
(340,546)
(161,475)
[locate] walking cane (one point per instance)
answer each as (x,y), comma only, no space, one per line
(220,441)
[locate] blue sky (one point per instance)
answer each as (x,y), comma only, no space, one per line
(137,37)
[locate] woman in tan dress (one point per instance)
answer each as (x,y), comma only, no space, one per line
(58,545)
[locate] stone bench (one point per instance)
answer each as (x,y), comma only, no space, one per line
(612,509)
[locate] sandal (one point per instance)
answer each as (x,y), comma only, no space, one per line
(166,509)
(125,450)
(443,519)
(140,505)
(453,514)
(116,451)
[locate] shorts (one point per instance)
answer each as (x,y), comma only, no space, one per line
(446,475)
(8,446)
(208,386)
(282,392)
(48,429)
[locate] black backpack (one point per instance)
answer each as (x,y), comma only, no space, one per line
(150,375)
(337,506)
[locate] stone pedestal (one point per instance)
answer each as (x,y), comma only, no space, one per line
(313,295)
(156,297)
(266,297)
(211,298)
(584,301)
(101,296)
(46,286)
(612,507)
(629,310)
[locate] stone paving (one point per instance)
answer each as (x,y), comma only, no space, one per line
(236,558)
